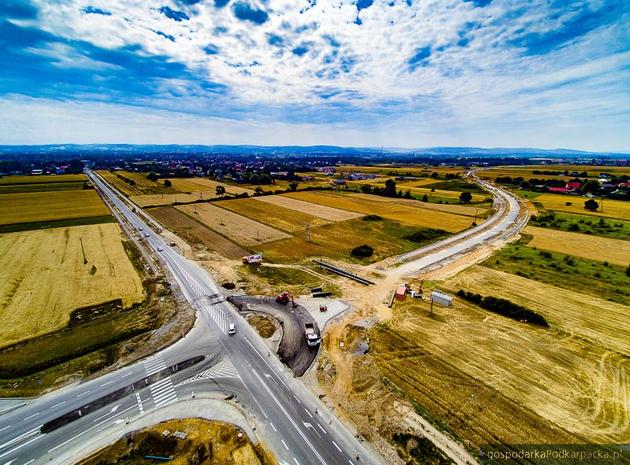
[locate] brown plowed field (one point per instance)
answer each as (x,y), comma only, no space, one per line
(194,233)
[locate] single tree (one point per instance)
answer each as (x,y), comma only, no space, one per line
(465,197)
(152,176)
(425,198)
(293,186)
(390,188)
(167,183)
(258,190)
(220,190)
(591,205)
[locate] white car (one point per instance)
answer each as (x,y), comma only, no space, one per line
(160,249)
(232,329)
(146,235)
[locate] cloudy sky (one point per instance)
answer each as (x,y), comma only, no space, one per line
(405,73)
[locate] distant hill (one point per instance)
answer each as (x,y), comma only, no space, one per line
(322,150)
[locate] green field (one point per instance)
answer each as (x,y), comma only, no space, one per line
(604,227)
(595,278)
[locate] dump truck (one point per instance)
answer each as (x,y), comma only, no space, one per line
(252,259)
(312,334)
(284,298)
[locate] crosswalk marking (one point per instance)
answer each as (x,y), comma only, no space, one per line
(154,365)
(223,369)
(163,392)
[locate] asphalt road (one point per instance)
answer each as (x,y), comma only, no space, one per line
(292,422)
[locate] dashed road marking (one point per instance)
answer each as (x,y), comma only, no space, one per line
(140,406)
(338,448)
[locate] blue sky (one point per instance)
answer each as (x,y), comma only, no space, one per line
(406,73)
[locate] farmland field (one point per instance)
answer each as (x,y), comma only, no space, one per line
(6,180)
(192,185)
(411,216)
(46,206)
(421,171)
(194,232)
(557,202)
(336,241)
(314,209)
(237,228)
(581,245)
(465,210)
(492,379)
(44,278)
(282,218)
(119,184)
(160,200)
(603,227)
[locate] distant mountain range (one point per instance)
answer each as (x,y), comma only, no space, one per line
(322,150)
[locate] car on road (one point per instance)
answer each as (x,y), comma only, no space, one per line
(140,228)
(160,249)
(232,329)
(146,235)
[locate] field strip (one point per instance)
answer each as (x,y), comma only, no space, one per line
(235,227)
(192,185)
(573,204)
(464,210)
(315,209)
(586,246)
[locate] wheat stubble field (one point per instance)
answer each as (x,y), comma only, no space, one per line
(43,277)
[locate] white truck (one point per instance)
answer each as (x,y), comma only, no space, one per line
(252,259)
(312,334)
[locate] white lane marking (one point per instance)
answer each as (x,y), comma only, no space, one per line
(30,461)
(295,460)
(89,429)
(284,444)
(338,448)
(320,427)
(83,393)
(108,382)
(6,427)
(351,462)
(114,408)
(21,436)
(298,400)
(126,374)
(21,445)
(60,403)
(274,428)
(286,414)
(140,406)
(309,413)
(32,416)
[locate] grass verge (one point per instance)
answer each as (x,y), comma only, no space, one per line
(18,227)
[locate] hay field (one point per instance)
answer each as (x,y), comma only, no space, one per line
(192,185)
(5,180)
(314,209)
(558,202)
(602,322)
(43,277)
(412,216)
(465,210)
(454,194)
(402,170)
(493,379)
(291,221)
(46,206)
(160,200)
(581,245)
(239,229)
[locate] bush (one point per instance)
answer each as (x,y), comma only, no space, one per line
(574,227)
(424,235)
(362,251)
(372,218)
(505,308)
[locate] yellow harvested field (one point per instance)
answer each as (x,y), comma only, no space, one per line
(46,206)
(43,277)
(160,200)
(527,172)
(42,179)
(443,207)
(192,185)
(442,193)
(600,321)
(405,214)
(315,209)
(239,229)
(402,170)
(119,184)
(279,217)
(586,246)
(575,374)
(558,202)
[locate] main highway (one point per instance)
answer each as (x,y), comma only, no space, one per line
(289,419)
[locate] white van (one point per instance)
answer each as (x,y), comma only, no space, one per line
(232,329)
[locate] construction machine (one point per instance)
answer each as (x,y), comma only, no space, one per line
(284,299)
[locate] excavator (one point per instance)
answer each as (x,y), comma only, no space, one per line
(284,299)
